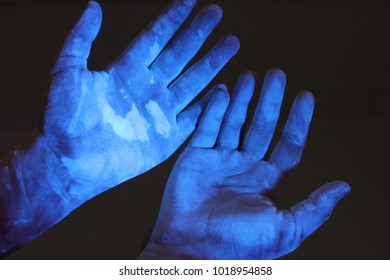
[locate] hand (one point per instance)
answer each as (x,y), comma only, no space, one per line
(104,127)
(111,125)
(217,201)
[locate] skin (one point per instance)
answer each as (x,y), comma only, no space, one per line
(104,127)
(217,203)
(129,117)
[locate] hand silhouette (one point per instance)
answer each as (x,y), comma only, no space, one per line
(111,125)
(217,201)
(104,127)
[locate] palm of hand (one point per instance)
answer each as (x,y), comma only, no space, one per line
(228,195)
(109,126)
(217,201)
(102,114)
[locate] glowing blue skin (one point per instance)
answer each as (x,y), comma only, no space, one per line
(217,200)
(104,127)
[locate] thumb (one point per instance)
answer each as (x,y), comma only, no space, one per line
(311,213)
(78,44)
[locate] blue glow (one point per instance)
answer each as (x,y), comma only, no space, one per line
(217,200)
(104,127)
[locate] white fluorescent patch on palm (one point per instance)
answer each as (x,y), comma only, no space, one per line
(153,50)
(85,167)
(132,127)
(160,121)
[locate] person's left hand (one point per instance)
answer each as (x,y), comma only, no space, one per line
(217,203)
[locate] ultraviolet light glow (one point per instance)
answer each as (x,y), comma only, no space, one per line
(219,199)
(131,127)
(160,121)
(104,127)
(216,204)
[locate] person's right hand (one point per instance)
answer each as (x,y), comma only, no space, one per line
(104,127)
(218,200)
(111,125)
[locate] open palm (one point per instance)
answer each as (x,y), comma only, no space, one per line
(217,204)
(111,125)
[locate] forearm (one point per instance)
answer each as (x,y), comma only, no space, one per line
(33,194)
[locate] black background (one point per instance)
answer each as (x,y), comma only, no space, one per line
(339,50)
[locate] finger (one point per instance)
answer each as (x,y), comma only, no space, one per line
(207,131)
(151,41)
(310,214)
(78,44)
(288,151)
(187,120)
(172,60)
(195,79)
(262,128)
(236,113)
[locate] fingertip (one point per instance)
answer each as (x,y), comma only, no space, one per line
(273,87)
(307,96)
(232,41)
(190,3)
(277,74)
(254,75)
(346,187)
(244,88)
(330,193)
(216,90)
(221,94)
(93,3)
(304,106)
(219,101)
(220,87)
(215,11)
(95,7)
(248,76)
(248,72)
(90,21)
(77,45)
(339,188)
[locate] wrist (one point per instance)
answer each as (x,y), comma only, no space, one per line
(33,194)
